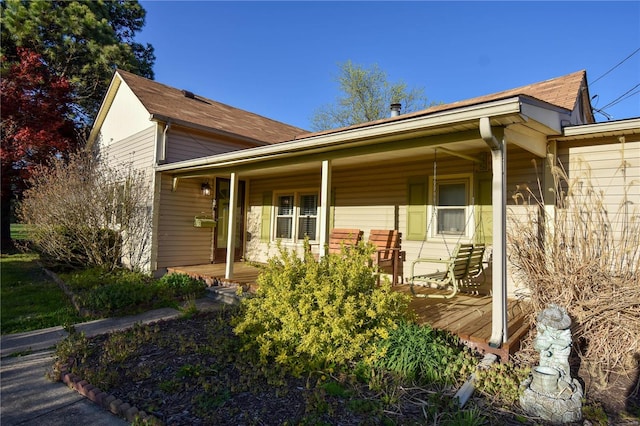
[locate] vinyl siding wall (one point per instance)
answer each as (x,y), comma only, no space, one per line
(601,166)
(179,242)
(183,145)
(135,151)
(374,196)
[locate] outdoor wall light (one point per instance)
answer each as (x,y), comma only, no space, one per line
(205,188)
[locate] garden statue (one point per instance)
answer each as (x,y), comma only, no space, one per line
(550,392)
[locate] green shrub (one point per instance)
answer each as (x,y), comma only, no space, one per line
(310,314)
(422,354)
(116,292)
(501,382)
(119,298)
(181,285)
(92,278)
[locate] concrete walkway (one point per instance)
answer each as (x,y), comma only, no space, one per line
(27,397)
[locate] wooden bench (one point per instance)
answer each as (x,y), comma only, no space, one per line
(465,263)
(342,237)
(389,256)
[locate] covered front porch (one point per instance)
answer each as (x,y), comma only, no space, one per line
(466,315)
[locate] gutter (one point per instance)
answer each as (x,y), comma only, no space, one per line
(629,126)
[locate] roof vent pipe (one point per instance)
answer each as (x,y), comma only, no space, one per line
(395,109)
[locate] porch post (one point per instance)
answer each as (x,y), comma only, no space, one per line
(325,201)
(499,330)
(231,234)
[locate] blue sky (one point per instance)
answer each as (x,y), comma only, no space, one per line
(280,59)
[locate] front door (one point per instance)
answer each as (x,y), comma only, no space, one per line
(221,213)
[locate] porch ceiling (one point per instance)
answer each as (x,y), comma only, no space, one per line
(390,152)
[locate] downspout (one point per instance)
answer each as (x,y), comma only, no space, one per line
(499,329)
(162,149)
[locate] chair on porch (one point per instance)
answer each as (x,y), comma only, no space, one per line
(464,264)
(389,256)
(339,237)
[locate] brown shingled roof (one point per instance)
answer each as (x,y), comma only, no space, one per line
(560,91)
(170,102)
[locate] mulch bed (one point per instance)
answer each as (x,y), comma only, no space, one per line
(191,371)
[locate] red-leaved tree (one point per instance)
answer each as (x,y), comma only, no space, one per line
(36,127)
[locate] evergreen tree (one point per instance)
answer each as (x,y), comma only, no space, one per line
(82,41)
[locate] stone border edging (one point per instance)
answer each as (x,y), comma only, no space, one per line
(63,286)
(106,401)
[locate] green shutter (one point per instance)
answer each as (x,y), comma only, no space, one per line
(265,229)
(417,208)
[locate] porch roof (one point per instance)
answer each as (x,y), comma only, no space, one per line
(529,121)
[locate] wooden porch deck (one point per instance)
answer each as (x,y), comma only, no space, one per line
(468,316)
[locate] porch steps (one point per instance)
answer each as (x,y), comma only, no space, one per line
(223,294)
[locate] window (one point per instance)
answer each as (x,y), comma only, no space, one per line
(300,209)
(284,216)
(308,216)
(452,207)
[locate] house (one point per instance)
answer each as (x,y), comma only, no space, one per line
(464,160)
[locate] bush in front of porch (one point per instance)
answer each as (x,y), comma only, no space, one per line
(308,315)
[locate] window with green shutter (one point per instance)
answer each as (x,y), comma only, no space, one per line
(290,216)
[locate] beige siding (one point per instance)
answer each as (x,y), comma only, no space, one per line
(186,146)
(179,242)
(126,116)
(612,171)
(374,196)
(136,150)
(136,153)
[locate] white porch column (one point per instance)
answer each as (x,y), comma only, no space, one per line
(499,328)
(325,205)
(231,234)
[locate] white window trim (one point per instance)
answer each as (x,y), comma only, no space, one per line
(432,231)
(296,215)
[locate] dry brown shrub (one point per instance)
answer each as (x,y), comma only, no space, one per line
(586,259)
(86,212)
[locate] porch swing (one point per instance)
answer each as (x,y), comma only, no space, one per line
(463,264)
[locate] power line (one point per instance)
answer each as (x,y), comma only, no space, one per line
(622,97)
(616,66)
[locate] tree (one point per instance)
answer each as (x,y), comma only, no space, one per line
(35,126)
(367,96)
(82,41)
(78,42)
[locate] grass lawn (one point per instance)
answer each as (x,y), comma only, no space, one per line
(29,299)
(19,231)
